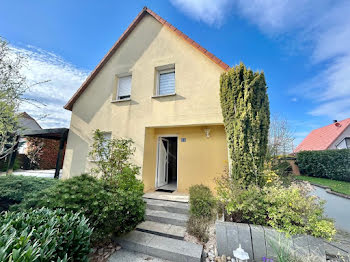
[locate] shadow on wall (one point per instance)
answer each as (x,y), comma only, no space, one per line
(79,160)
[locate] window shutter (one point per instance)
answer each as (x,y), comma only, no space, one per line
(166,83)
(124,88)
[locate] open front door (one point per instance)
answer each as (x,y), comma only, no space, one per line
(162,171)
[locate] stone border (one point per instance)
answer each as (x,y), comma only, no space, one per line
(264,242)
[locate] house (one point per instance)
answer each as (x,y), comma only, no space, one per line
(333,136)
(161,89)
(26,122)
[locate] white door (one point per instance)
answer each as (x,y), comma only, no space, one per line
(163,149)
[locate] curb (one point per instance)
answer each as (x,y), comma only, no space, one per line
(330,191)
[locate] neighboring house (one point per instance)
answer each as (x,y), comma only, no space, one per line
(160,88)
(48,152)
(26,122)
(333,136)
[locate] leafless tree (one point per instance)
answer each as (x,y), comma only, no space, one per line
(281,136)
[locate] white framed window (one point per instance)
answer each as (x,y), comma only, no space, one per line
(345,143)
(166,82)
(124,87)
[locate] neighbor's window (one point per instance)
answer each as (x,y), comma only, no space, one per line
(345,143)
(124,87)
(166,82)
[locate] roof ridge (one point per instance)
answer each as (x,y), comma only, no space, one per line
(130,28)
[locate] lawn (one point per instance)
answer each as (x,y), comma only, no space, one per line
(336,186)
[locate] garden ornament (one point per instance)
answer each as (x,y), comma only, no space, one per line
(240,255)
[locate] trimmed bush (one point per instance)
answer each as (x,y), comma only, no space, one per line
(14,189)
(202,202)
(202,212)
(332,164)
(44,235)
(290,210)
(245,110)
(116,208)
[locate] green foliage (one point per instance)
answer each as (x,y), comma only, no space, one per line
(44,235)
(14,189)
(202,212)
(202,202)
(115,208)
(111,156)
(332,164)
(12,87)
(290,210)
(245,109)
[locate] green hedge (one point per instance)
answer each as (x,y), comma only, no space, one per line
(331,164)
(14,189)
(110,209)
(44,235)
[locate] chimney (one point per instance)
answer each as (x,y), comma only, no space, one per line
(335,121)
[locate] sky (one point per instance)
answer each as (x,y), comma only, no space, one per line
(301,45)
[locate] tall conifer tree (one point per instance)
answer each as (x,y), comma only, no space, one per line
(246,113)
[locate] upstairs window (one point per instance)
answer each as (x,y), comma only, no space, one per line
(166,82)
(124,88)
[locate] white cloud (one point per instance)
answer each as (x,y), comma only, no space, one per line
(321,28)
(64,79)
(207,11)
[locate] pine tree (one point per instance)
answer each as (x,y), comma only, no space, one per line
(246,113)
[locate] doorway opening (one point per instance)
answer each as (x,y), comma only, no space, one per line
(167,164)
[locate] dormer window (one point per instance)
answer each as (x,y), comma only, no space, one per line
(124,88)
(166,82)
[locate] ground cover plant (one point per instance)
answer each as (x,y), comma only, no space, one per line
(44,235)
(336,186)
(14,189)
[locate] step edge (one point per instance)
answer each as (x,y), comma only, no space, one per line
(167,235)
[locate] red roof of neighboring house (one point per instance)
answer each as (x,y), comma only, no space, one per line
(126,33)
(322,138)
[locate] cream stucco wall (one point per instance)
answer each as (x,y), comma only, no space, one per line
(150,45)
(200,159)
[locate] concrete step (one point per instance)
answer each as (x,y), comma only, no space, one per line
(161,247)
(169,206)
(160,229)
(166,217)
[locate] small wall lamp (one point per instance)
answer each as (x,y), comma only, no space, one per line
(207,132)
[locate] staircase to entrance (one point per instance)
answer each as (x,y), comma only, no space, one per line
(162,233)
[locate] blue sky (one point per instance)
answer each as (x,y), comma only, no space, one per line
(302,46)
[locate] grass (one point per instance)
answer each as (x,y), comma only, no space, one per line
(337,186)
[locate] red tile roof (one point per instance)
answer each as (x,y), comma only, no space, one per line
(126,33)
(322,138)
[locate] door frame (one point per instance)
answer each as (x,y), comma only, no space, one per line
(177,158)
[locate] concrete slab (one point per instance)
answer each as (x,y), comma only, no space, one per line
(169,206)
(316,248)
(221,238)
(132,256)
(258,241)
(232,239)
(175,250)
(172,231)
(177,197)
(245,239)
(166,217)
(135,241)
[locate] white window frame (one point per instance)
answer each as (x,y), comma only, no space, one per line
(118,88)
(165,71)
